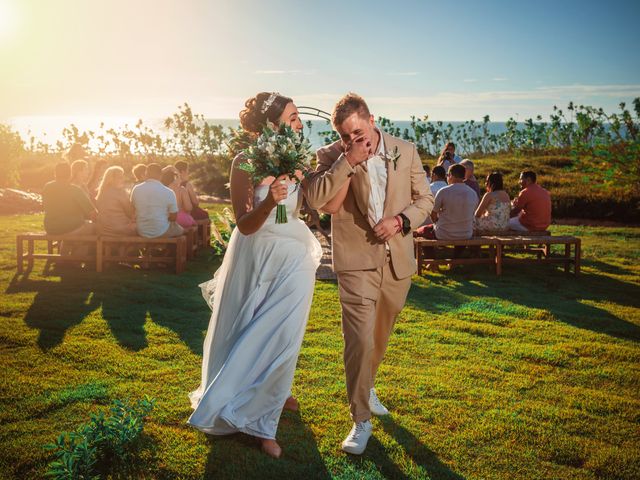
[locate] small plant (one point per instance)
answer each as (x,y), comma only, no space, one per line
(102,446)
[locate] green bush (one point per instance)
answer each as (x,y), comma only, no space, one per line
(11,151)
(101,447)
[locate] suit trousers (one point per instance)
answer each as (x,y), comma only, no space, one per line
(371,300)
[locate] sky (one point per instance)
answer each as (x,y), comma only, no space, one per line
(449,60)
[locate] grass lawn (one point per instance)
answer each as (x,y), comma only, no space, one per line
(531,375)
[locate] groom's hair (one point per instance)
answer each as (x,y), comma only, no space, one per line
(349,104)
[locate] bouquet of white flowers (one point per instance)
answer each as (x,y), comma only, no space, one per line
(277,152)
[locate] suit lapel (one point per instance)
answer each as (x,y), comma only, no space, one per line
(389,143)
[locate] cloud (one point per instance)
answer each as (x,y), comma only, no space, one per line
(499,79)
(285,72)
(550,93)
(403,74)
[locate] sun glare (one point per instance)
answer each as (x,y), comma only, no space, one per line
(8,18)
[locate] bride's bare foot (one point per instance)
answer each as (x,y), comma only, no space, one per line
(291,404)
(271,447)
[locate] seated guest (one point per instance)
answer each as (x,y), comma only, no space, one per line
(75,152)
(427,171)
(80,176)
(469,178)
(171,178)
(453,210)
(67,209)
(196,212)
(492,215)
(115,212)
(96,176)
(139,173)
(438,179)
(531,211)
(155,206)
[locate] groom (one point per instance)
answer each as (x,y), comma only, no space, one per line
(375,188)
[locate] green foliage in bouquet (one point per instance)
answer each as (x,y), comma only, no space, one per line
(101,447)
(221,231)
(276,152)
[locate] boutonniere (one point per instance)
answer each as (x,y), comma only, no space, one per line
(393,156)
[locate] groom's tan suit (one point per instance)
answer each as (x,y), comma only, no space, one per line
(373,278)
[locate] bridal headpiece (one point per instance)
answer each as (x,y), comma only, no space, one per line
(268,102)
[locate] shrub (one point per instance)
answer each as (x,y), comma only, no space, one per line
(11,151)
(101,447)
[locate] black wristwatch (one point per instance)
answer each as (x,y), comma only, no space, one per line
(406,224)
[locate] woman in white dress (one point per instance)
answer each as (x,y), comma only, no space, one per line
(260,299)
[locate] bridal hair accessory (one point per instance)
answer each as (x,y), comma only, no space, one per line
(268,102)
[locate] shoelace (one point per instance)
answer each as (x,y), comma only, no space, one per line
(374,398)
(358,430)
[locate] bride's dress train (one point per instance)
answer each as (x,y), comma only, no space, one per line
(260,299)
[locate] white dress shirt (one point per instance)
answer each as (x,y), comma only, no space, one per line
(377,169)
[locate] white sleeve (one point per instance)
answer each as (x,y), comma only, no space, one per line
(173,203)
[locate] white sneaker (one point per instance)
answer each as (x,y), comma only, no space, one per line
(375,405)
(358,437)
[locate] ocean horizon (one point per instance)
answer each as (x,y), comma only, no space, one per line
(49,129)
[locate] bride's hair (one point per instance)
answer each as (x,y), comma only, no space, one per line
(264,106)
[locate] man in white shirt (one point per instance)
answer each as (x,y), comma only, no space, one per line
(439,179)
(453,211)
(375,188)
(156,206)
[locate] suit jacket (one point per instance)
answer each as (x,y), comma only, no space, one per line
(354,245)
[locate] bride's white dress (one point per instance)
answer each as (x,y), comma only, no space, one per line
(260,299)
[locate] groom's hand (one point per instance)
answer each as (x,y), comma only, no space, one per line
(386,228)
(358,150)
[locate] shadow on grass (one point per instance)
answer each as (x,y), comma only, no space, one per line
(300,459)
(562,295)
(57,306)
(127,299)
(422,456)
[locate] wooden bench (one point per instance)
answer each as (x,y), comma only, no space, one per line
(422,244)
(204,232)
(541,246)
(499,248)
(511,233)
(53,247)
(191,234)
(139,251)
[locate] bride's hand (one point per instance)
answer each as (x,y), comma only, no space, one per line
(279,189)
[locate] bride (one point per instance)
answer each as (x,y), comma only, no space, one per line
(260,299)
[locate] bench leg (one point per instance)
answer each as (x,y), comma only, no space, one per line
(19,255)
(30,252)
(578,253)
(498,259)
(567,257)
(179,255)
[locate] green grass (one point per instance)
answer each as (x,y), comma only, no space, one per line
(531,375)
(574,192)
